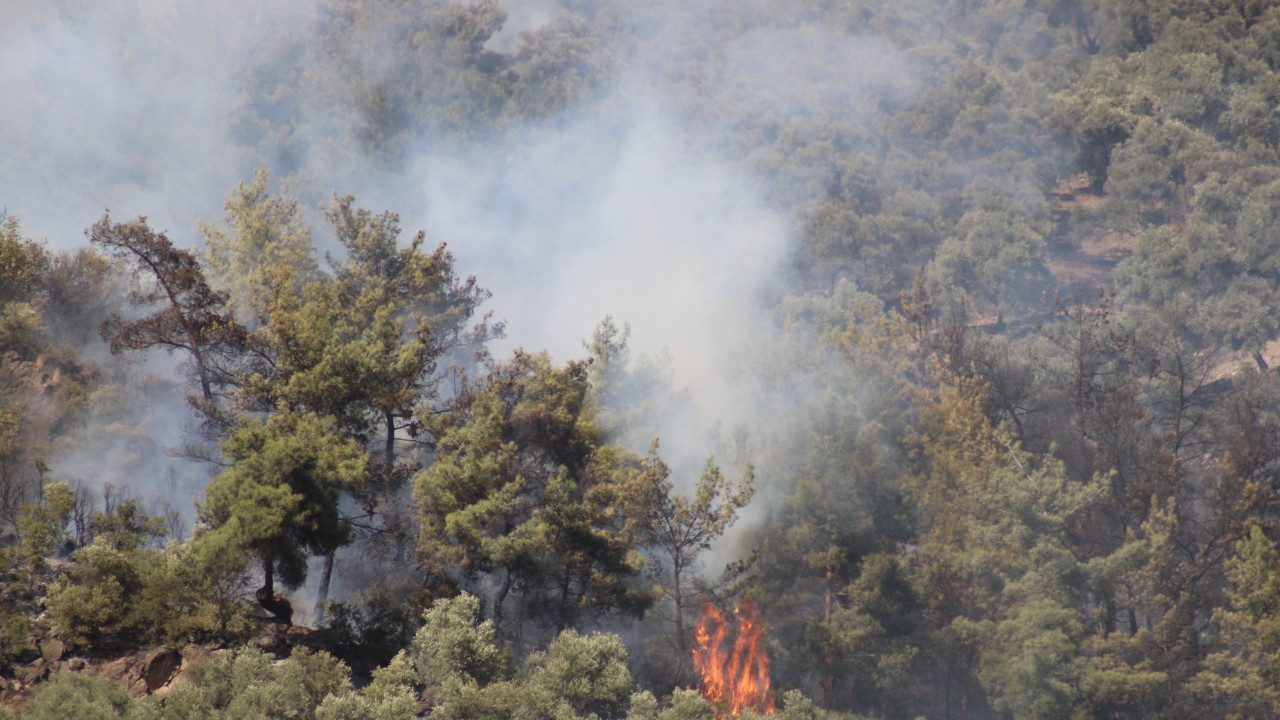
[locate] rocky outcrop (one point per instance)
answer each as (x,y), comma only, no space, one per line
(51,649)
(141,673)
(158,667)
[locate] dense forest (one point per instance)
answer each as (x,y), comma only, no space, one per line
(552,359)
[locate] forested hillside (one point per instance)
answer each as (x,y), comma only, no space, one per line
(640,359)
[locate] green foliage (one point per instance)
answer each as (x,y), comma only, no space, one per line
(389,696)
(793,705)
(560,65)
(687,705)
(13,637)
(368,346)
(996,257)
(454,646)
(833,520)
(278,500)
(328,354)
(501,701)
(470,676)
(589,672)
(78,696)
(42,525)
(246,685)
(523,487)
(1241,676)
(263,234)
(1099,115)
(23,263)
(22,329)
(1153,172)
(683,527)
(644,706)
(117,597)
(219,687)
(868,636)
(1219,270)
(304,681)
(422,311)
(94,606)
(996,547)
(1032,668)
(125,526)
(630,398)
(353,706)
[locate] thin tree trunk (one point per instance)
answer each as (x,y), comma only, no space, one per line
(278,607)
(679,597)
(268,577)
(322,595)
(499,597)
(390,449)
(563,621)
(205,389)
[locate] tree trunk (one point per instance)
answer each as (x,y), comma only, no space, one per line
(205,390)
(499,597)
(277,606)
(562,621)
(390,449)
(679,598)
(268,577)
(322,594)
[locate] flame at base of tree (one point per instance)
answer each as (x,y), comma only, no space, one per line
(733,675)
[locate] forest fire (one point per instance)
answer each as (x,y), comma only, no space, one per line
(738,677)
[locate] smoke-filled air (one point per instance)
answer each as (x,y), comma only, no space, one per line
(640,359)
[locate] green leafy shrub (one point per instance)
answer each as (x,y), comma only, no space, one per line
(13,637)
(78,696)
(248,685)
(454,645)
(112,598)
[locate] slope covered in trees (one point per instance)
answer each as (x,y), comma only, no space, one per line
(985,425)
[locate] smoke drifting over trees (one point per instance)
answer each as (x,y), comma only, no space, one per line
(947,327)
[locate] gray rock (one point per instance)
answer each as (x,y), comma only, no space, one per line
(30,674)
(51,649)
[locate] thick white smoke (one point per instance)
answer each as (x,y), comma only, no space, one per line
(575,224)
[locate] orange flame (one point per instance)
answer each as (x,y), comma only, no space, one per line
(739,678)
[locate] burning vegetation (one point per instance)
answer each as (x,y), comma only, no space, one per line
(733,675)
